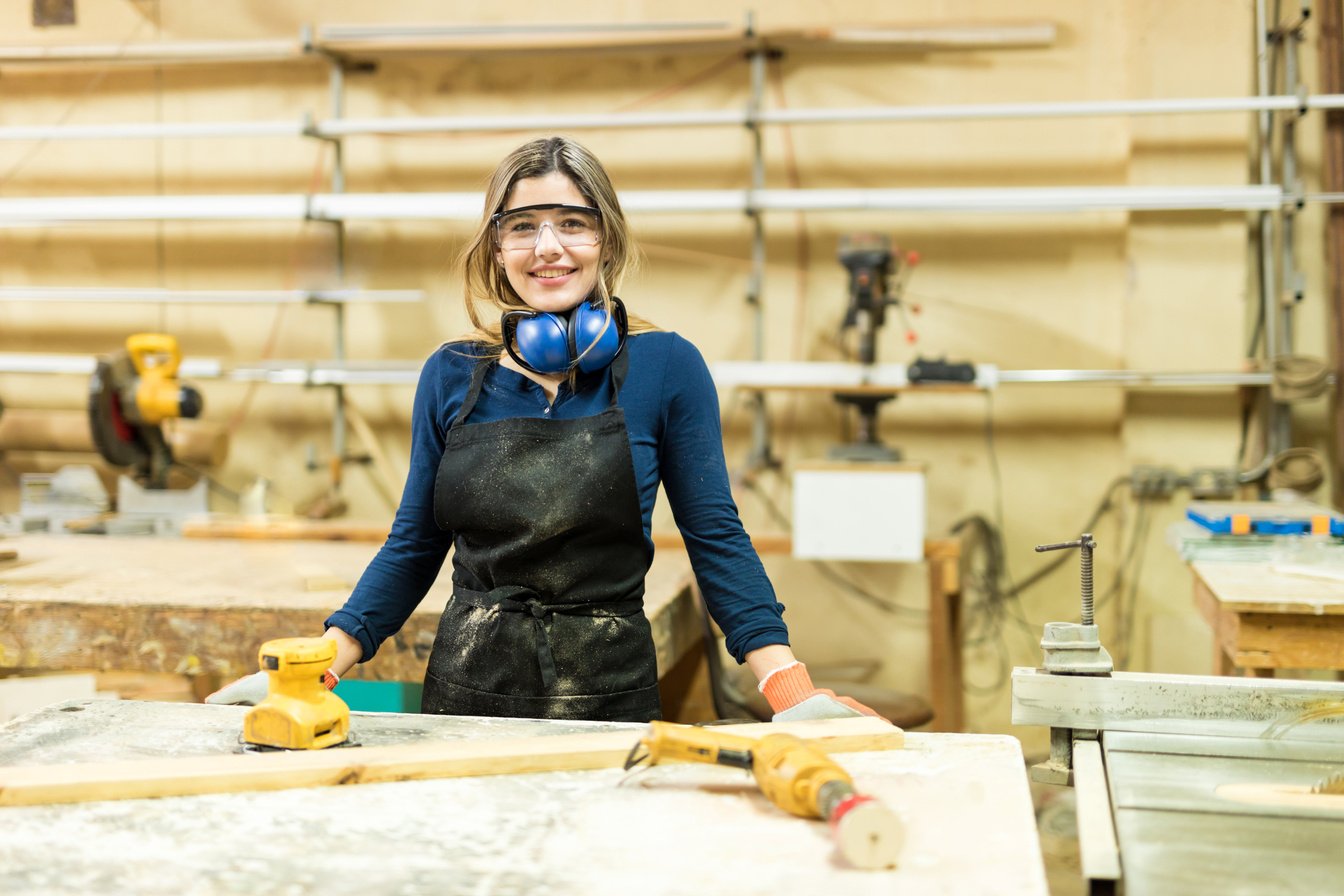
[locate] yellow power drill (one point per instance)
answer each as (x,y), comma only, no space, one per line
(795,776)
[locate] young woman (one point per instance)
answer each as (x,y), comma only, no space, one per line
(538,444)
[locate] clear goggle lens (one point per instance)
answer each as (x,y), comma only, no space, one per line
(572,225)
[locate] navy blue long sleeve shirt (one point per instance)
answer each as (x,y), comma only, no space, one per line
(672,415)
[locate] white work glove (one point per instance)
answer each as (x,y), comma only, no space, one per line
(794,698)
(246,691)
(252,689)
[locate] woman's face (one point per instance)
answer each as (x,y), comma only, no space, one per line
(548,275)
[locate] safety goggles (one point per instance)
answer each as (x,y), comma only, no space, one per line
(572,225)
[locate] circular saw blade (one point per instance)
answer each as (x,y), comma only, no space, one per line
(115,437)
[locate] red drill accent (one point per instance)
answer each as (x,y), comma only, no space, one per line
(845,805)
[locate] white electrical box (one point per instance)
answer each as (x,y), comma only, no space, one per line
(846,510)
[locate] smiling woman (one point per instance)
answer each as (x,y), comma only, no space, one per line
(539,442)
(547,267)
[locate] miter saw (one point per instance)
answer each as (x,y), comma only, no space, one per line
(131,394)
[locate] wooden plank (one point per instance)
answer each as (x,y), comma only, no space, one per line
(282,528)
(196,442)
(1291,796)
(139,779)
(1278,641)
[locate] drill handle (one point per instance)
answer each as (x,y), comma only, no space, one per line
(687,743)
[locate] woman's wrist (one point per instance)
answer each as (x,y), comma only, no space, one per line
(348,651)
(764,660)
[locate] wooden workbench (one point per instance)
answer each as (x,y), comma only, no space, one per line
(1263,620)
(674,829)
(202,607)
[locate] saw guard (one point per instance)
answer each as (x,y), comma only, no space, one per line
(116,438)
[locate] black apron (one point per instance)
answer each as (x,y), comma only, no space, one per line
(547,615)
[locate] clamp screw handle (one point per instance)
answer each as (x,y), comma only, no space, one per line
(1086,545)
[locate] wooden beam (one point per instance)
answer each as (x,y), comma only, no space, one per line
(277,527)
(30,429)
(139,779)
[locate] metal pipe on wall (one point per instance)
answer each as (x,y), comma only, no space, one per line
(465,124)
(1331,65)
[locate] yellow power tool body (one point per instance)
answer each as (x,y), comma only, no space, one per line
(795,776)
(299,713)
(131,394)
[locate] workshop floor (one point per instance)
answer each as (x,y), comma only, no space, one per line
(1056,822)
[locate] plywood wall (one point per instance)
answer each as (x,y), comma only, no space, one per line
(1093,290)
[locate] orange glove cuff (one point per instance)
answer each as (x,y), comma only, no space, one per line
(787,687)
(330,679)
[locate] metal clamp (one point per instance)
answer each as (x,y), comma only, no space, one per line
(1073,648)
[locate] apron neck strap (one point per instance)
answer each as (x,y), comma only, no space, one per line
(620,366)
(474,391)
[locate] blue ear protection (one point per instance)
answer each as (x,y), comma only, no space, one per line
(543,342)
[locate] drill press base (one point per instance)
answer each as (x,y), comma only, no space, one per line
(865,452)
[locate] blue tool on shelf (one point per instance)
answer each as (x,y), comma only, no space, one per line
(1265,518)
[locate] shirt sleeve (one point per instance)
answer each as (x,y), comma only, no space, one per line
(695,475)
(403,570)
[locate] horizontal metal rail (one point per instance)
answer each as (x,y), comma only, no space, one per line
(737,118)
(44,211)
(727,374)
(156,296)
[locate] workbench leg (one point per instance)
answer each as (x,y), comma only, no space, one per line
(684,690)
(1222,663)
(204,685)
(945,677)
(1261,673)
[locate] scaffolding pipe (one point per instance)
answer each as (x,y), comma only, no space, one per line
(339,450)
(1274,411)
(392,126)
(760,427)
(161,53)
(44,211)
(158,296)
(727,374)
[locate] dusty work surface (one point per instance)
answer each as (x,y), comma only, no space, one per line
(203,607)
(675,829)
(1257,587)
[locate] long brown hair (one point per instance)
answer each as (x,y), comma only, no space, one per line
(488,292)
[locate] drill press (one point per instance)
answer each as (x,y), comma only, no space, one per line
(877,276)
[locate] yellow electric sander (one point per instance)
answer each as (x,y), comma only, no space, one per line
(299,712)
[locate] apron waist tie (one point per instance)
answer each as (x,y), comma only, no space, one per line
(520,599)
